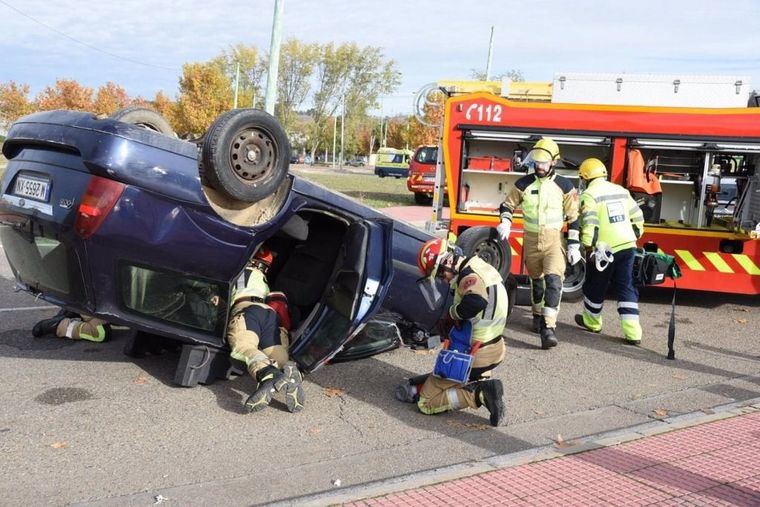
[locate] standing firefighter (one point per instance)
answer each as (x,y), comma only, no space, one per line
(73,326)
(479,313)
(547,200)
(611,222)
(258,336)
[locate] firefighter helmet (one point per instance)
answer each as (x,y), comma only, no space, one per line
(430,256)
(592,168)
(545,150)
(263,258)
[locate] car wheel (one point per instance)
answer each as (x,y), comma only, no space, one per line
(422,199)
(381,174)
(245,155)
(145,118)
(485,243)
(572,288)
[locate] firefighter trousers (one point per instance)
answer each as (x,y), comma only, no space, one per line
(441,395)
(86,328)
(544,257)
(256,338)
(619,274)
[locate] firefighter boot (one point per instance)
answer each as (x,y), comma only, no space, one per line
(291,382)
(548,339)
(491,394)
(409,390)
(48,326)
(537,319)
(266,379)
(579,321)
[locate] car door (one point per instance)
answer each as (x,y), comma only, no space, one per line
(353,294)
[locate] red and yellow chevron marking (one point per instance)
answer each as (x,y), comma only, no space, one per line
(714,261)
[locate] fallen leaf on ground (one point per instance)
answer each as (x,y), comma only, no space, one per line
(740,321)
(59,445)
(680,376)
(741,309)
(561,442)
(332,392)
(660,412)
(708,411)
(314,431)
(140,380)
(538,412)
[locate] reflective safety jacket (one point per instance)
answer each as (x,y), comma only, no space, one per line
(252,284)
(610,215)
(546,204)
(481,298)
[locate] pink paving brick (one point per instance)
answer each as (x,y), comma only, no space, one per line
(672,480)
(751,483)
(616,459)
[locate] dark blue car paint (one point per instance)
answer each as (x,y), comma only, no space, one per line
(164,220)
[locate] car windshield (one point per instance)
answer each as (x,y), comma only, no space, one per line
(426,155)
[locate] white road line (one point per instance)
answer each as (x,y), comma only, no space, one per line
(27,308)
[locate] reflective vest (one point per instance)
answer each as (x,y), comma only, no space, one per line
(255,287)
(608,215)
(489,323)
(542,205)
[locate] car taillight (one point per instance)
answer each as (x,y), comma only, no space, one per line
(97,202)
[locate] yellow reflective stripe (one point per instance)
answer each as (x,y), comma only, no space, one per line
(519,240)
(719,263)
(692,263)
(747,263)
(514,252)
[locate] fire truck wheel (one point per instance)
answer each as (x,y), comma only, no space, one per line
(485,243)
(245,154)
(572,288)
(422,199)
(145,118)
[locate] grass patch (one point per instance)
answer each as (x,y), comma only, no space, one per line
(367,188)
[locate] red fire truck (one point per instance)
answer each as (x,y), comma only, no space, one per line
(692,170)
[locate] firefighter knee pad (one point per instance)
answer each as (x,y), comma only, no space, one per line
(553,291)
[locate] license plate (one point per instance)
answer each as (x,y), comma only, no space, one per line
(32,188)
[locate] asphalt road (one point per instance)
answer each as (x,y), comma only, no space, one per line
(82,423)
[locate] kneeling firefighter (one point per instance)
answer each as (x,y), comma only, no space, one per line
(258,334)
(611,222)
(479,313)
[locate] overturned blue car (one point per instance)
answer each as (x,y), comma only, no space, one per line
(119,219)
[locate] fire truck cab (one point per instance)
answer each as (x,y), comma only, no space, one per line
(692,171)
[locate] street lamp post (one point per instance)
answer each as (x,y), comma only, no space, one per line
(274,57)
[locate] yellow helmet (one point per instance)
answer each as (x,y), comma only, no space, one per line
(592,168)
(545,150)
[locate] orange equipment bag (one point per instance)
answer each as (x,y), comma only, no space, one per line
(640,177)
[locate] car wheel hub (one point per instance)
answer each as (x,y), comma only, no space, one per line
(252,155)
(489,253)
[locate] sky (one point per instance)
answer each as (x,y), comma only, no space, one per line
(142,44)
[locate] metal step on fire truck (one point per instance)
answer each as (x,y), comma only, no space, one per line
(687,147)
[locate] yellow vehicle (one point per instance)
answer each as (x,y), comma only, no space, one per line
(393,162)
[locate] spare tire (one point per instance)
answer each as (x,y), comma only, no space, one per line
(245,155)
(484,242)
(146,118)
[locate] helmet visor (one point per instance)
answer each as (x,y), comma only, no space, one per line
(538,160)
(433,297)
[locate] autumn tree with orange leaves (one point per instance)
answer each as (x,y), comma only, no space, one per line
(110,98)
(14,102)
(66,94)
(205,93)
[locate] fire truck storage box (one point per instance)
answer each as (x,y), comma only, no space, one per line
(489,163)
(651,89)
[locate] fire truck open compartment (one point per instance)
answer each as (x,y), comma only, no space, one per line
(491,163)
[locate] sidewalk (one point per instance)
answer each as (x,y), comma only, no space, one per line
(716,463)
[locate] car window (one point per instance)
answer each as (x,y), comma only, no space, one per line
(426,155)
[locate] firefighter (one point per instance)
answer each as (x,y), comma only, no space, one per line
(258,336)
(480,298)
(610,220)
(66,324)
(548,200)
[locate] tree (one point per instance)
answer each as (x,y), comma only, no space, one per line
(110,98)
(164,105)
(204,94)
(297,61)
(14,102)
(66,94)
(513,74)
(351,77)
(252,70)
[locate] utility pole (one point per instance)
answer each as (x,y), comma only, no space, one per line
(335,128)
(490,55)
(274,57)
(237,84)
(342,124)
(253,99)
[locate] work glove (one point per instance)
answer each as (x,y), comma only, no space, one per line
(573,253)
(504,228)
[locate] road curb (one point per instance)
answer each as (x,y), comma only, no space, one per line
(583,444)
